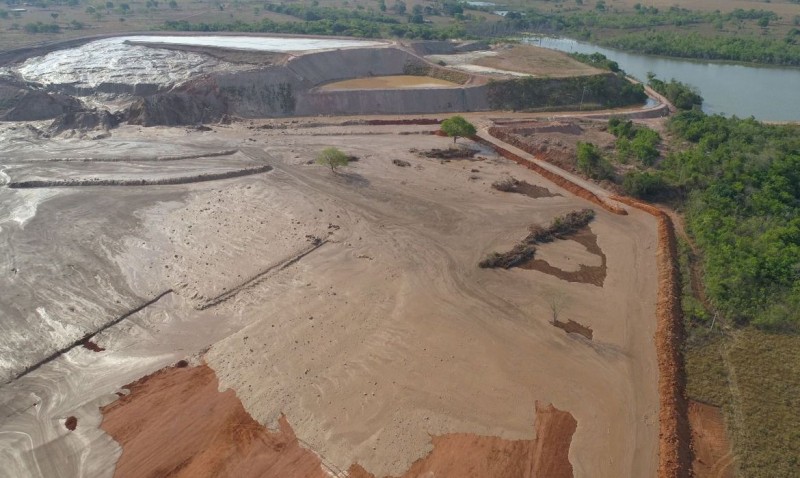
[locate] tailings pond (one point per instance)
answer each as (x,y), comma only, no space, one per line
(766,93)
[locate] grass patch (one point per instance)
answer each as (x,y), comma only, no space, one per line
(755,377)
(767,370)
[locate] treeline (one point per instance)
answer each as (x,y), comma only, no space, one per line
(739,48)
(657,33)
(40,27)
(597,60)
(528,93)
(311,13)
(739,182)
(644,17)
(354,27)
(681,95)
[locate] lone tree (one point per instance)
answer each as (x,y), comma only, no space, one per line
(332,158)
(457,126)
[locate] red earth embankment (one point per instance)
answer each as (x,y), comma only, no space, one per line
(557,179)
(675,455)
(465,455)
(176,423)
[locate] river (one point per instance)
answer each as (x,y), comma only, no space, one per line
(766,93)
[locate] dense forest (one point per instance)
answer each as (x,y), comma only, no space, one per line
(739,182)
(693,45)
(662,32)
(354,27)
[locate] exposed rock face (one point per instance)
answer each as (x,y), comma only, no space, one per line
(198,103)
(18,103)
(85,120)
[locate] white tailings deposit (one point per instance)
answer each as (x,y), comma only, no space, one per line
(112,61)
(274,44)
(124,65)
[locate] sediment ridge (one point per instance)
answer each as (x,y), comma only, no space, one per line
(138,182)
(132,159)
(88,336)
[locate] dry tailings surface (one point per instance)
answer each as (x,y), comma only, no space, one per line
(354,311)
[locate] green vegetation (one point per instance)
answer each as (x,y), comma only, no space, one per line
(592,163)
(598,91)
(598,60)
(40,27)
(739,182)
(692,45)
(332,158)
(681,95)
(637,142)
(315,20)
(738,35)
(457,126)
(644,184)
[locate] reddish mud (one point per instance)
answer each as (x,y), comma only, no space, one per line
(465,455)
(595,275)
(572,327)
(176,423)
(713,457)
(71,423)
(92,346)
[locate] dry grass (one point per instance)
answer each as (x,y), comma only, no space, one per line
(536,61)
(781,7)
(755,377)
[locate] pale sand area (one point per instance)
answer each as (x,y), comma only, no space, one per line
(389,82)
(567,255)
(386,334)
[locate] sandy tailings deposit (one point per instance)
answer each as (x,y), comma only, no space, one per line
(208,302)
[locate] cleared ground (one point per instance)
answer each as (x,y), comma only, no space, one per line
(351,304)
(536,61)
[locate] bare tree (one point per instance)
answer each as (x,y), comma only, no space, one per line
(556,301)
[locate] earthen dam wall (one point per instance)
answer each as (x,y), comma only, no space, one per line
(291,89)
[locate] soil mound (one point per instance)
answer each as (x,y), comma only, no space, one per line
(449,153)
(512,185)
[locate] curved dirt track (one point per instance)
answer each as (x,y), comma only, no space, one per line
(368,346)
